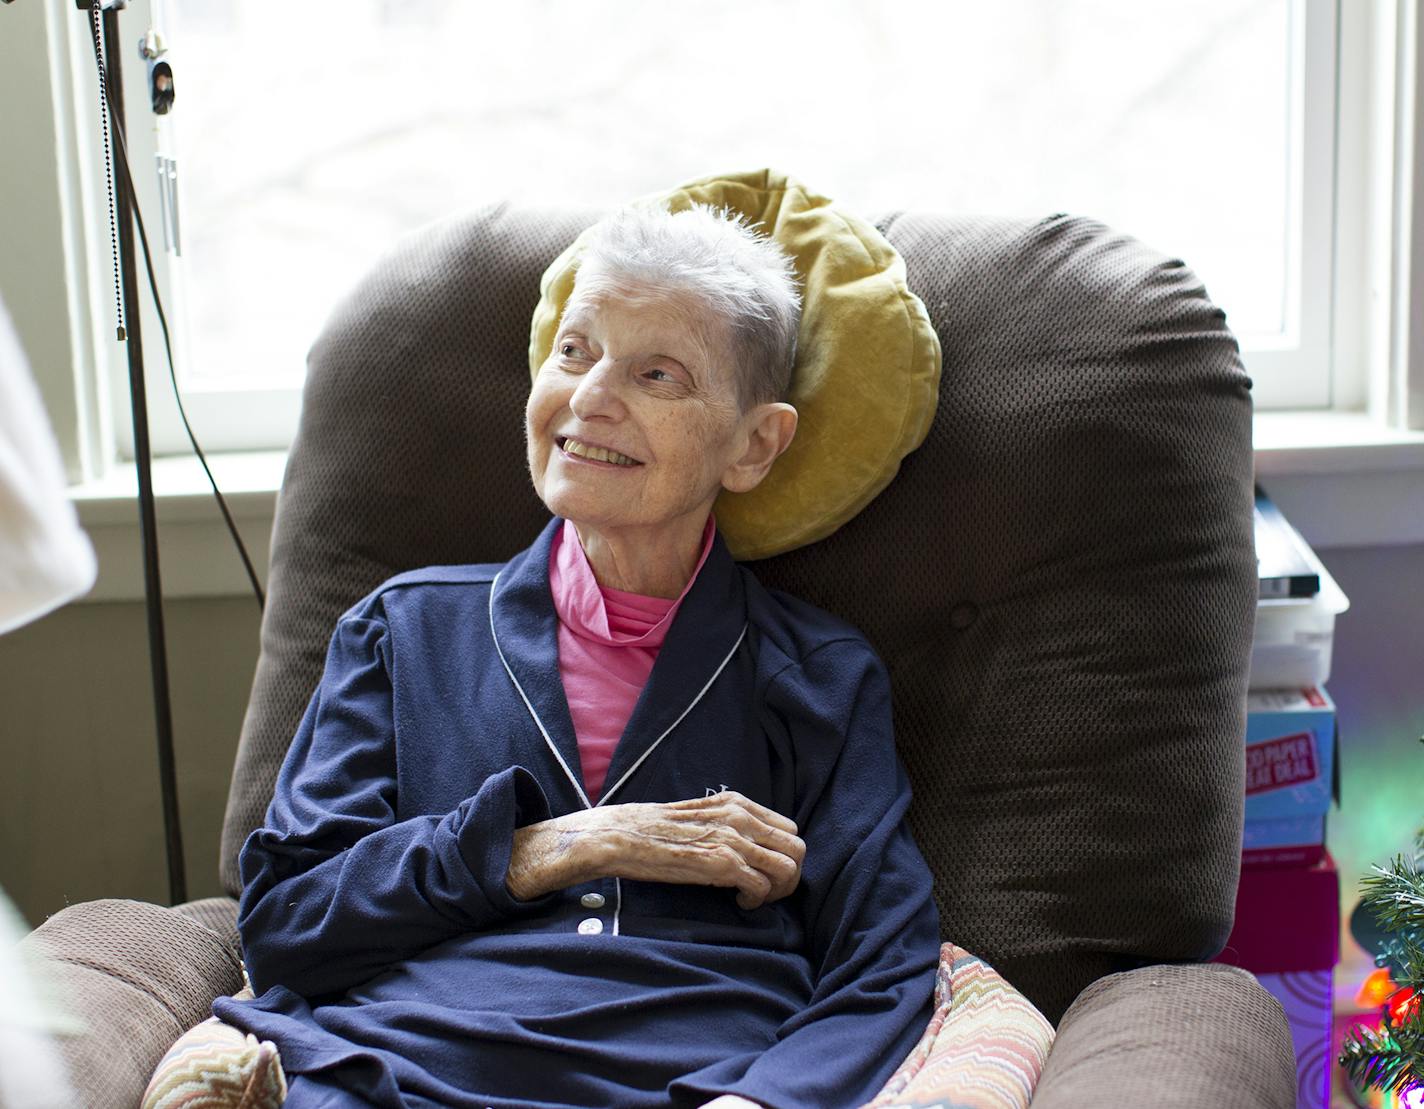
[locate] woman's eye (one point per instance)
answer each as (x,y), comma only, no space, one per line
(564,349)
(665,375)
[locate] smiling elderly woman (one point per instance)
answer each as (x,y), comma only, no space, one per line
(610,824)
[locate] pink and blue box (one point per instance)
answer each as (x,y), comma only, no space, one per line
(1287,930)
(1291,775)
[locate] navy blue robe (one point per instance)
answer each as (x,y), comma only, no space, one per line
(394,968)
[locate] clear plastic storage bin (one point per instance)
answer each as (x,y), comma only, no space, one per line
(1294,636)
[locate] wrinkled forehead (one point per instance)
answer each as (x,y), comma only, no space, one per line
(670,317)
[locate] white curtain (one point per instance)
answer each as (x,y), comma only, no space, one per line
(45,557)
(45,560)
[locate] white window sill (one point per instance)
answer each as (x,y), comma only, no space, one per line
(1343,482)
(196,556)
(248,479)
(1341,479)
(1323,442)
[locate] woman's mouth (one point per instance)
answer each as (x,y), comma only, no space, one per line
(586,452)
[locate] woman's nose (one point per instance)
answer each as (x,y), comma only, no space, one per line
(597,392)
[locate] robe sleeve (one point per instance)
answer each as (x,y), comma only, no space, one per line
(872,927)
(335,889)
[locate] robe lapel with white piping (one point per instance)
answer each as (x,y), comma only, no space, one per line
(706,632)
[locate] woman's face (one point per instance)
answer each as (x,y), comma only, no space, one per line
(643,375)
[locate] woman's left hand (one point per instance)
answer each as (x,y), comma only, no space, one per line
(731,1101)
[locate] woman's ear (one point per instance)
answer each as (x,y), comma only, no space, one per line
(767,430)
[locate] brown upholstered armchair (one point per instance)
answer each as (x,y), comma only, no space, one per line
(1066,587)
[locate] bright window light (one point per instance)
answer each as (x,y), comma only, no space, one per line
(309,137)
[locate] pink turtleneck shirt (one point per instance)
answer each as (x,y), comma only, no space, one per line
(608,641)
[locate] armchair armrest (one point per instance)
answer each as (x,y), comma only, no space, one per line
(1172,1036)
(219,914)
(138,976)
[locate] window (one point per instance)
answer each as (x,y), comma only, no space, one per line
(305,142)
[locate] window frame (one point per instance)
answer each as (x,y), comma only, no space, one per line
(1345,361)
(1299,373)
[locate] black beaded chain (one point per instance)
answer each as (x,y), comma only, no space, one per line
(108,169)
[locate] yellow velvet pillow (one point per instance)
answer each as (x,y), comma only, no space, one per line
(867,371)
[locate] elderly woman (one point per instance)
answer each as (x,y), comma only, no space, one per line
(610,824)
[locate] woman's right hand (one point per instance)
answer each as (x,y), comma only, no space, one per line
(723,839)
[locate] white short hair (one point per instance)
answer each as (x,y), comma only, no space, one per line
(714,255)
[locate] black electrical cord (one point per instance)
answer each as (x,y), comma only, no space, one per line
(123,162)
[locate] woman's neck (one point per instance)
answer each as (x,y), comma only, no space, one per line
(653,563)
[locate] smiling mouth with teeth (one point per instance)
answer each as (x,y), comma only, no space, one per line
(597,454)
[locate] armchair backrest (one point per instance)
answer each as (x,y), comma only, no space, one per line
(1061,579)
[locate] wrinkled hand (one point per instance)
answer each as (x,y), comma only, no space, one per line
(724,839)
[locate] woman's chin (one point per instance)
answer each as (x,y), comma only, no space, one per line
(584,510)
(605,509)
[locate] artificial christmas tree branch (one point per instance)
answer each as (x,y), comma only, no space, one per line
(1392,1058)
